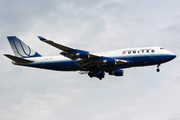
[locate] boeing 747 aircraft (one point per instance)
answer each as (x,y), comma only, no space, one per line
(94,64)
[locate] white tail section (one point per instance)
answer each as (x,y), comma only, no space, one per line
(20,49)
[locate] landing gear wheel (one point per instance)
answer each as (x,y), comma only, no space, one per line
(158,68)
(90,74)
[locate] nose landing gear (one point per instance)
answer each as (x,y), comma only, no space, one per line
(158,70)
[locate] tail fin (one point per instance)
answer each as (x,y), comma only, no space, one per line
(20,49)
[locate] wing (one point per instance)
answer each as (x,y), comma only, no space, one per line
(96,63)
(69,52)
(83,58)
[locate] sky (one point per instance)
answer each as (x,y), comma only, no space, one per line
(95,26)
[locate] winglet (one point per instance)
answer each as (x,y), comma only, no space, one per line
(41,38)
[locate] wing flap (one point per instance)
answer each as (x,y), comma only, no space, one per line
(65,54)
(86,64)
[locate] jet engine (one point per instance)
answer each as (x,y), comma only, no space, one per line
(82,54)
(117,72)
(79,53)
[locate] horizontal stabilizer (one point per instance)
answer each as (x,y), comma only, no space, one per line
(17,59)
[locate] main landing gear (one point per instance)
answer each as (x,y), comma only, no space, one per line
(158,70)
(98,74)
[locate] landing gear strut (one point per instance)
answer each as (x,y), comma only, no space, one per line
(158,68)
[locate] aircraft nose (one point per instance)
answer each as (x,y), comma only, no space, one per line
(172,56)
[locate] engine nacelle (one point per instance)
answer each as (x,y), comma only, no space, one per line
(82,54)
(116,72)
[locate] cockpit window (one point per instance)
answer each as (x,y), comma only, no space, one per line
(161,48)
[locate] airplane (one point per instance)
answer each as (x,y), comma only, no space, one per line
(93,64)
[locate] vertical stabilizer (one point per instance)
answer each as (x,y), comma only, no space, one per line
(20,49)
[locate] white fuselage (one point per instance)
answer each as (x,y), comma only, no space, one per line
(136,56)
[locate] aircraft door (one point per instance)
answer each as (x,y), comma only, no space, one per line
(152,53)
